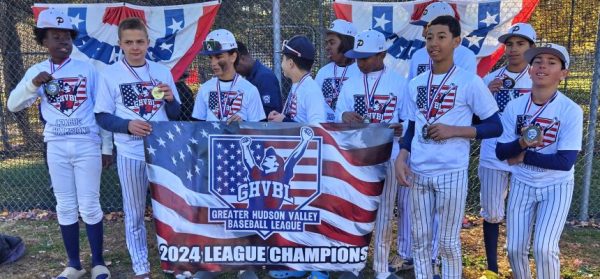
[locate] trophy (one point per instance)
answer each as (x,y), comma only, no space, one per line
(52,88)
(157,93)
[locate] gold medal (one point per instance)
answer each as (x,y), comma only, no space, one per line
(157,93)
(532,133)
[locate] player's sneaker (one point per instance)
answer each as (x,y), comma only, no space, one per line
(488,274)
(386,275)
(399,264)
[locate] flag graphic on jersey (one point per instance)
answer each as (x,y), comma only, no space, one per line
(138,98)
(331,89)
(72,93)
(261,176)
(231,103)
(284,187)
(443,103)
(482,23)
(549,128)
(506,95)
(380,111)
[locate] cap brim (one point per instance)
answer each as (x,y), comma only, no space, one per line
(213,52)
(533,52)
(358,55)
(419,23)
(503,38)
(54,27)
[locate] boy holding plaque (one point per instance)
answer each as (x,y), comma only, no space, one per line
(67,89)
(507,83)
(131,93)
(542,136)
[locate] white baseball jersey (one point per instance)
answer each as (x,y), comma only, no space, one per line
(463,57)
(487,154)
(69,114)
(462,95)
(121,93)
(561,122)
(238,96)
(330,79)
(305,103)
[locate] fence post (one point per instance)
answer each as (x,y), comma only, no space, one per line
(277,40)
(591,138)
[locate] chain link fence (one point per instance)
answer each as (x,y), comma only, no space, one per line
(24,180)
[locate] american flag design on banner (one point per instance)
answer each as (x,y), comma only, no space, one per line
(549,128)
(176,32)
(72,93)
(231,103)
(274,195)
(138,98)
(380,111)
(482,22)
(506,95)
(443,103)
(331,89)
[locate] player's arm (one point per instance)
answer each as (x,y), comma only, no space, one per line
(172,102)
(269,85)
(306,134)
(26,92)
(105,136)
(403,171)
(248,160)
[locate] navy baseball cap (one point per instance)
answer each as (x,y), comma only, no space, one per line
(299,46)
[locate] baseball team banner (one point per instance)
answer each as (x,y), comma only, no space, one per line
(274,195)
(176,32)
(482,23)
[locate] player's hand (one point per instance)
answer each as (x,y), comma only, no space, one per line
(306,133)
(351,117)
(41,78)
(536,143)
(517,159)
(139,128)
(397,129)
(403,172)
(234,118)
(275,116)
(439,131)
(245,141)
(107,160)
(167,91)
(495,85)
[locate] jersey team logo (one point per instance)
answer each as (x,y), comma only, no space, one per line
(72,93)
(421,68)
(380,111)
(231,103)
(138,98)
(506,95)
(265,181)
(548,126)
(443,103)
(331,90)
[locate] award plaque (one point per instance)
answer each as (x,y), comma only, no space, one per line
(532,133)
(52,88)
(157,93)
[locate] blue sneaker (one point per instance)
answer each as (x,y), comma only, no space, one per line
(286,274)
(397,264)
(318,275)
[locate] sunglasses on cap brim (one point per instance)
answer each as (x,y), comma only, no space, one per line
(212,45)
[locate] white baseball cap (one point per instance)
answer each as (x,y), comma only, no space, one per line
(342,27)
(218,41)
(434,10)
(554,49)
(523,30)
(366,44)
(53,18)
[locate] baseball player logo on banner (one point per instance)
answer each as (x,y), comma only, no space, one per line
(138,98)
(71,94)
(263,183)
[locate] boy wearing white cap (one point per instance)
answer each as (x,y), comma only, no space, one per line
(67,89)
(506,83)
(542,136)
(331,77)
(227,96)
(434,157)
(375,96)
(420,61)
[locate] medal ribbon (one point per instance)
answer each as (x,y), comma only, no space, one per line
(370,95)
(541,109)
(223,105)
(292,96)
(336,91)
(135,74)
(431,98)
(53,70)
(519,76)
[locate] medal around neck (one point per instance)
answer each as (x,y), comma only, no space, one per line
(508,83)
(425,132)
(157,93)
(52,88)
(532,133)
(366,119)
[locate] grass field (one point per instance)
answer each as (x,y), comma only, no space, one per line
(580,252)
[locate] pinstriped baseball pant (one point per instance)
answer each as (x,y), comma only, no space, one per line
(547,207)
(494,188)
(445,194)
(134,186)
(383,223)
